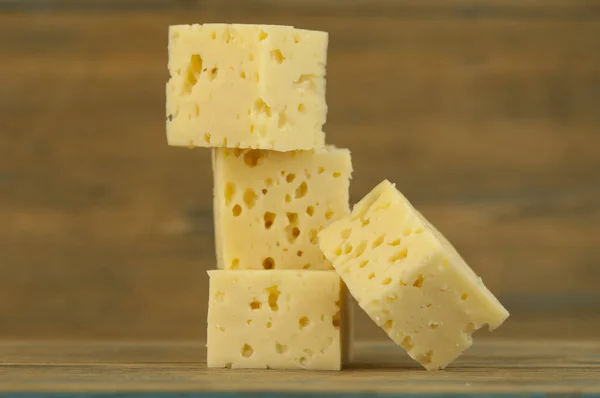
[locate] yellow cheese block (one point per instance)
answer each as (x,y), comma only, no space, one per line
(280,319)
(246,86)
(409,279)
(269,206)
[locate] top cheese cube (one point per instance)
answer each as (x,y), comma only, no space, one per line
(246,86)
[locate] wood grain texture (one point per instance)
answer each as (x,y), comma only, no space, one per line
(489,368)
(486,116)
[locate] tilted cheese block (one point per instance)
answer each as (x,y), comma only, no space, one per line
(280,319)
(246,86)
(409,279)
(269,206)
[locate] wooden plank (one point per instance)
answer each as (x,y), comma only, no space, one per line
(489,368)
(488,122)
(468,8)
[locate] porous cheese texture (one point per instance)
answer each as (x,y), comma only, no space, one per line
(246,86)
(280,319)
(269,206)
(409,279)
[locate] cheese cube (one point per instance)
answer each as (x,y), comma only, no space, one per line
(280,319)
(246,86)
(409,279)
(269,206)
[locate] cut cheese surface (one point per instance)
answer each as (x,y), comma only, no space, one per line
(409,279)
(280,319)
(246,86)
(269,206)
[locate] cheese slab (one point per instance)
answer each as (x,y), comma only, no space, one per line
(279,319)
(409,279)
(269,206)
(246,86)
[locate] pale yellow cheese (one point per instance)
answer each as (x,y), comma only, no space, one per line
(246,86)
(279,319)
(269,206)
(409,279)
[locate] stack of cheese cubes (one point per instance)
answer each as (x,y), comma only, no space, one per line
(287,244)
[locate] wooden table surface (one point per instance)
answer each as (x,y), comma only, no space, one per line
(500,367)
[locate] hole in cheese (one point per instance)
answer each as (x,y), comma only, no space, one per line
(274,293)
(250,198)
(254,157)
(425,359)
(229,192)
(306,82)
(277,56)
(282,121)
(301,190)
(360,249)
(247,351)
(193,72)
(268,263)
(269,219)
(303,322)
(280,348)
(401,255)
(407,343)
(395,242)
(213,73)
(378,241)
(348,249)
(261,107)
(419,281)
(336,320)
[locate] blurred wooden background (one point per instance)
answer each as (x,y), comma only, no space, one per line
(485,113)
